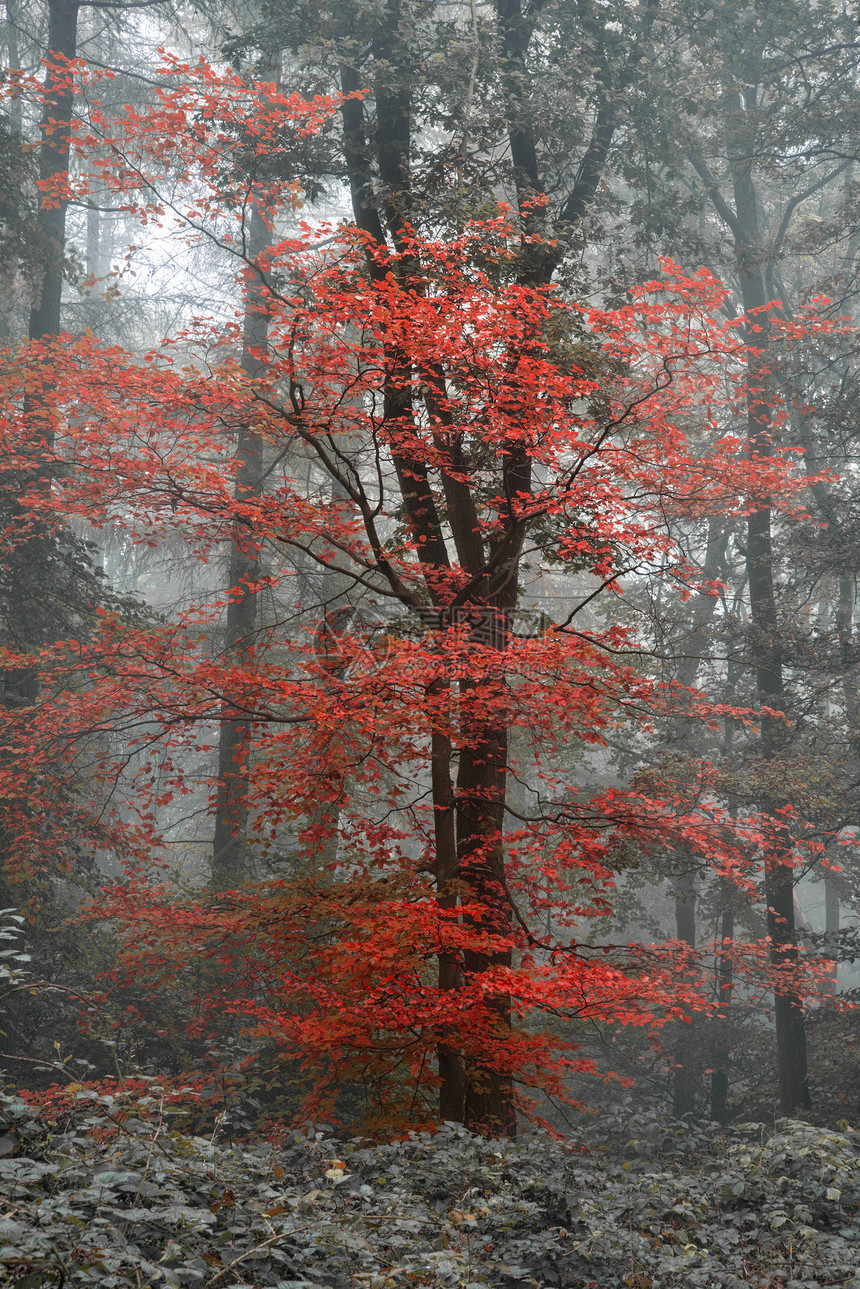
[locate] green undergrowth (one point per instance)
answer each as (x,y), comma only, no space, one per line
(113,1193)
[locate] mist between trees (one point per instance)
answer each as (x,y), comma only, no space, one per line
(430,543)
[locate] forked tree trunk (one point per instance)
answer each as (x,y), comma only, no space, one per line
(470,821)
(469,860)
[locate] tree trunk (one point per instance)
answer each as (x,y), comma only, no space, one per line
(13,19)
(685,1076)
(725,986)
(94,257)
(721,1050)
(21,685)
(232,864)
(452,1073)
(831,931)
(480,797)
(766,646)
(55,128)
(479,1093)
(468,847)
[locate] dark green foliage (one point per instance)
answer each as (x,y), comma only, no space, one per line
(50,587)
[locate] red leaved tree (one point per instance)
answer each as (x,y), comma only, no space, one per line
(442,447)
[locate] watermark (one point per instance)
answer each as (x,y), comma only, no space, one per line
(486,625)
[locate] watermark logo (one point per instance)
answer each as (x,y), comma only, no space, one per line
(486,625)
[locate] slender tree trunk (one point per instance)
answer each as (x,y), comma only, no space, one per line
(721,1049)
(844,626)
(231,860)
(831,931)
(725,988)
(324,822)
(10,269)
(94,259)
(686,1077)
(765,644)
(845,632)
(779,865)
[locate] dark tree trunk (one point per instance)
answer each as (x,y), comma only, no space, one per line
(464,821)
(55,129)
(21,685)
(480,796)
(452,1074)
(766,644)
(779,867)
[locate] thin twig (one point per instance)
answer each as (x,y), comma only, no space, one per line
(273,1239)
(153,1139)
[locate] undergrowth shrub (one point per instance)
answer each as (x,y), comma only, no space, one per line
(102,1186)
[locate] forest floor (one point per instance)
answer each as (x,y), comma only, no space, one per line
(118,1196)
